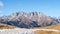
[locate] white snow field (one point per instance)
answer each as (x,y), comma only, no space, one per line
(23,31)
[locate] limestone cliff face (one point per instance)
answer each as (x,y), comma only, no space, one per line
(27,20)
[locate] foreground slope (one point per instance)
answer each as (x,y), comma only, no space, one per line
(53,27)
(5,26)
(45,32)
(57,26)
(29,31)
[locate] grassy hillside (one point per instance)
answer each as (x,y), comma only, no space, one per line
(57,26)
(5,26)
(45,32)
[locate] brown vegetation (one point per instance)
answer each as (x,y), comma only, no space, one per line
(57,26)
(5,26)
(45,32)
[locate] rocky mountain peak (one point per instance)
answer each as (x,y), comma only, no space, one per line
(27,20)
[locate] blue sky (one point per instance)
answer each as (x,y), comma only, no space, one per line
(48,7)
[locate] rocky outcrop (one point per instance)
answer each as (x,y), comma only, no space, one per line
(27,20)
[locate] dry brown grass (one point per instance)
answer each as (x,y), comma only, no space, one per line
(45,32)
(57,26)
(5,26)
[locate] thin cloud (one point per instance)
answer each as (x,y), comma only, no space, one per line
(1,4)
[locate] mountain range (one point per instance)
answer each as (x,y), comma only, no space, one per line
(28,20)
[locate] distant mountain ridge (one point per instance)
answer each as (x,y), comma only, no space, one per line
(27,20)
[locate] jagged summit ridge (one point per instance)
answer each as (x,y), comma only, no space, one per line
(23,13)
(27,20)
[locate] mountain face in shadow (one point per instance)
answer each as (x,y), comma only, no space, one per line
(28,20)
